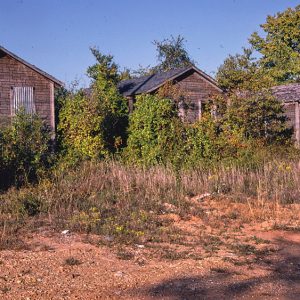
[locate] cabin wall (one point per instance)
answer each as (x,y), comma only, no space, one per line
(15,74)
(292,111)
(197,92)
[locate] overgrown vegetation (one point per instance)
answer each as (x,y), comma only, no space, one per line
(117,175)
(25,151)
(93,124)
(127,204)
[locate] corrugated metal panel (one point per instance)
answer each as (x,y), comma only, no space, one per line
(23,98)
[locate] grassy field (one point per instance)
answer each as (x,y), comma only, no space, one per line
(132,204)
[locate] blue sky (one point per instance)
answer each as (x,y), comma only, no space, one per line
(56,35)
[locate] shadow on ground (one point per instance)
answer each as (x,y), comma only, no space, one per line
(282,281)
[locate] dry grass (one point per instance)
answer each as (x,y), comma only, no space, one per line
(129,204)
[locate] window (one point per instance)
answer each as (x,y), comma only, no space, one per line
(23,99)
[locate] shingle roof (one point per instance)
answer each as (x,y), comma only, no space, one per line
(58,82)
(147,84)
(288,92)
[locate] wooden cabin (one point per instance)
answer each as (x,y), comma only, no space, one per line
(24,86)
(197,86)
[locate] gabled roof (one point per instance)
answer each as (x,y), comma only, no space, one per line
(288,92)
(150,83)
(36,69)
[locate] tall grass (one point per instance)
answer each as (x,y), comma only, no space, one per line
(126,202)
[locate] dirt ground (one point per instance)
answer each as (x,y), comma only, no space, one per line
(229,261)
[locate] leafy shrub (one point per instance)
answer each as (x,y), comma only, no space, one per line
(259,115)
(80,127)
(155,132)
(93,124)
(25,150)
(201,140)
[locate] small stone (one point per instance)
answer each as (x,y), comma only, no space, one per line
(65,232)
(119,274)
(168,207)
(108,238)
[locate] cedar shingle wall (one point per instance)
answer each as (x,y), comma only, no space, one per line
(13,73)
(196,88)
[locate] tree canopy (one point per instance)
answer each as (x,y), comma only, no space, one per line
(279,46)
(171,53)
(277,53)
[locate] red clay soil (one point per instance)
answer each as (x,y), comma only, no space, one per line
(41,271)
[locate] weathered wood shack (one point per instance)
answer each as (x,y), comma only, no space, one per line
(24,86)
(289,94)
(197,86)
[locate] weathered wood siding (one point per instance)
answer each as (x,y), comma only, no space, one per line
(293,113)
(198,91)
(15,74)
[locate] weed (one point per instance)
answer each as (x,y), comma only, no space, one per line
(259,240)
(243,249)
(125,255)
(72,261)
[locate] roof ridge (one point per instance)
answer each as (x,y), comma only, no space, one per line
(143,82)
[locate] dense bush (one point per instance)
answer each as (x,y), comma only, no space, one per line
(156,134)
(237,133)
(92,124)
(80,127)
(260,115)
(25,150)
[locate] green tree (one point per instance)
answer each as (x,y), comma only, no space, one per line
(278,55)
(280,45)
(171,53)
(202,137)
(237,71)
(113,107)
(80,127)
(104,66)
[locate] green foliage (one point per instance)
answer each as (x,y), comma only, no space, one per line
(105,66)
(25,150)
(241,71)
(201,143)
(81,127)
(278,58)
(94,125)
(155,131)
(259,115)
(113,106)
(237,132)
(212,139)
(280,45)
(171,53)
